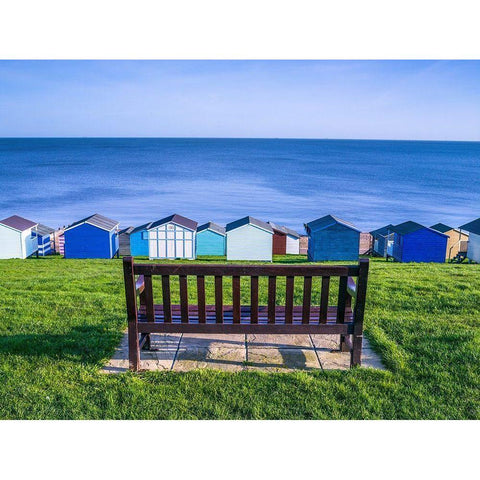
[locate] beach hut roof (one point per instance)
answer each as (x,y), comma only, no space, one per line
(43,230)
(18,223)
(382,231)
(328,221)
(409,227)
(472,227)
(284,229)
(126,231)
(175,218)
(213,227)
(145,226)
(96,220)
(246,221)
(442,228)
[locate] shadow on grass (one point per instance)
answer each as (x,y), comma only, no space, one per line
(81,344)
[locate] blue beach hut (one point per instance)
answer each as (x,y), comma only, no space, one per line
(92,237)
(139,240)
(330,238)
(44,238)
(211,239)
(382,240)
(413,242)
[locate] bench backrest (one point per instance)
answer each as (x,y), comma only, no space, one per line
(347,290)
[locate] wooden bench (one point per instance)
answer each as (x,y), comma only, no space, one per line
(146,317)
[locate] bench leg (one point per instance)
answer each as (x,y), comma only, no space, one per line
(146,345)
(345,345)
(356,355)
(133,347)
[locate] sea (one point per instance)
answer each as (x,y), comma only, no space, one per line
(56,181)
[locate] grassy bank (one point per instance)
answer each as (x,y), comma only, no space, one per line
(60,320)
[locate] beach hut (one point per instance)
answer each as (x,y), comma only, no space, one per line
(413,242)
(45,239)
(59,241)
(285,240)
(249,239)
(382,240)
(365,243)
(303,244)
(17,239)
(92,237)
(124,241)
(211,239)
(473,250)
(172,237)
(457,240)
(330,238)
(139,240)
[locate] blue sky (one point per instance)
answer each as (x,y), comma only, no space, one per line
(437,100)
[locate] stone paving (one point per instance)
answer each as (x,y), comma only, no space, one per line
(270,353)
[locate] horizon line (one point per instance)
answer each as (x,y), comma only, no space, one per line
(232,138)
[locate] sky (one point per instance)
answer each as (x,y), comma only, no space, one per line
(410,100)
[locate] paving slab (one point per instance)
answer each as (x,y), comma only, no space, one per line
(271,353)
(213,340)
(161,357)
(326,342)
(227,358)
(281,359)
(278,341)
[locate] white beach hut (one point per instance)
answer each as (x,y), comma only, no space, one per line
(17,239)
(249,239)
(172,237)
(473,249)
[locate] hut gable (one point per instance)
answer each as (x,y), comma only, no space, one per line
(213,227)
(249,239)
(96,220)
(178,220)
(92,237)
(414,242)
(211,239)
(330,238)
(172,237)
(17,239)
(473,251)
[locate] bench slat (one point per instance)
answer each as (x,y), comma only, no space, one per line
(183,297)
(166,298)
(148,298)
(201,298)
(272,296)
(307,299)
(227,270)
(342,299)
(324,299)
(289,289)
(254,298)
(236,298)
(219,298)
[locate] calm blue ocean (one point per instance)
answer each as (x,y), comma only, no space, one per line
(370,183)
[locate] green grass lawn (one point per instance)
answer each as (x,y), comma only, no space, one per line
(60,321)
